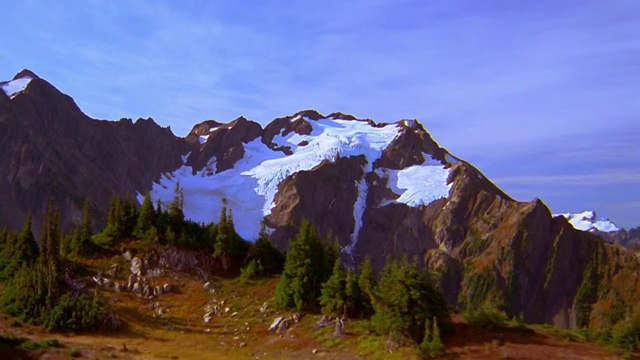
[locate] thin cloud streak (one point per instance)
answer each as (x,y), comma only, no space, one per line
(609,178)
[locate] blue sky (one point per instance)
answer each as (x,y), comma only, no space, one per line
(543,96)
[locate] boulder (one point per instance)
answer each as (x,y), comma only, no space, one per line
(276,322)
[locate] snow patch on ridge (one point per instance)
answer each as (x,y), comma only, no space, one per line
(13,87)
(250,186)
(418,185)
(586,221)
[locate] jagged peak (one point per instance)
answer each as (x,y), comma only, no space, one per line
(309,113)
(25,73)
(341,116)
(588,221)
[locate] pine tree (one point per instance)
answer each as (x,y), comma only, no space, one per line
(26,250)
(265,253)
(115,227)
(333,299)
(146,217)
(367,279)
(129,216)
(176,215)
(356,302)
(404,300)
(304,270)
(81,242)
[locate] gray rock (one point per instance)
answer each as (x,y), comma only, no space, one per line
(276,322)
(136,266)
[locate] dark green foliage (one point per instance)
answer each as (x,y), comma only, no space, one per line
(404,300)
(115,228)
(357,304)
(251,271)
(625,335)
(333,298)
(146,217)
(306,267)
(175,213)
(129,215)
(265,254)
(86,312)
(81,243)
(367,283)
(486,317)
(229,247)
(26,250)
(431,345)
(37,292)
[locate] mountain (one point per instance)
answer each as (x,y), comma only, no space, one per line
(52,150)
(628,238)
(587,221)
(378,189)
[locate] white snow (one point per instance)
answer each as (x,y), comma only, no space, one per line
(417,185)
(13,87)
(203,139)
(250,186)
(358,213)
(586,221)
(185,157)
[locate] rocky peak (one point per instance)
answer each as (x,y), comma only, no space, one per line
(223,142)
(341,116)
(25,73)
(311,114)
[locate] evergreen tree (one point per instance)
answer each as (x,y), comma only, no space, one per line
(26,249)
(367,279)
(304,271)
(266,254)
(146,217)
(115,227)
(404,300)
(356,302)
(176,215)
(129,215)
(333,298)
(81,242)
(229,247)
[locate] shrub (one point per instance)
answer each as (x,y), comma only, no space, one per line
(625,335)
(487,317)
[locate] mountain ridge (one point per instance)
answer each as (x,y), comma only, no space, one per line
(378,189)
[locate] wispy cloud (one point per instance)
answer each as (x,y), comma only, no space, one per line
(518,88)
(609,178)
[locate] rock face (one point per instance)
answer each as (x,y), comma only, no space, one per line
(50,149)
(627,238)
(380,189)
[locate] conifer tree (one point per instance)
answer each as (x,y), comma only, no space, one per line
(304,270)
(356,303)
(145,217)
(333,299)
(265,253)
(81,242)
(404,300)
(176,215)
(115,227)
(367,279)
(26,250)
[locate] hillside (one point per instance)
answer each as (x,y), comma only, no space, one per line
(181,333)
(377,189)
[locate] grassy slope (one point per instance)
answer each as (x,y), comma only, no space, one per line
(181,333)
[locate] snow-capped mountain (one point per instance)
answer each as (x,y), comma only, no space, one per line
(377,188)
(250,186)
(588,221)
